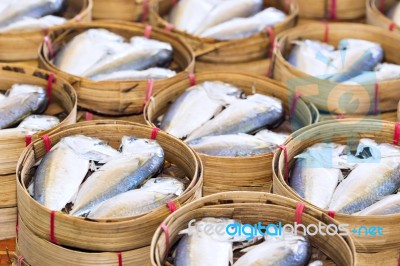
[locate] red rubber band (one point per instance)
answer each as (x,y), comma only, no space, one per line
(382,6)
(119,258)
(45,31)
(284,149)
(147,31)
(171,205)
(272,63)
(28,140)
(154,133)
(192,79)
(49,45)
(398,261)
(331,214)
(332,14)
(149,89)
(47,142)
(50,80)
(164,227)
(78,18)
(88,116)
(391,26)
(271,34)
(396,134)
(169,27)
(52,233)
(376,98)
(299,212)
(326,32)
(145,13)
(340,116)
(174,2)
(20,260)
(296,97)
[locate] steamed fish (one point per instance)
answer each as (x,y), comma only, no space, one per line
(387,205)
(30,24)
(37,123)
(382,72)
(125,75)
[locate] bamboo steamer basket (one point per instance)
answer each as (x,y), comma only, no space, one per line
(23,46)
(256,67)
(346,131)
(327,95)
(8,191)
(104,235)
(63,100)
(39,252)
(388,116)
(234,51)
(376,10)
(88,116)
(110,97)
(389,257)
(244,173)
(251,208)
(8,218)
(333,10)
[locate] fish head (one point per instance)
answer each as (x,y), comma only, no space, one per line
(221,91)
(39,122)
(132,145)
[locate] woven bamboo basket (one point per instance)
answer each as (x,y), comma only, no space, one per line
(23,46)
(332,9)
(387,116)
(39,252)
(327,95)
(64,100)
(8,191)
(110,97)
(88,116)
(252,207)
(346,131)
(244,173)
(137,10)
(233,51)
(376,16)
(104,235)
(256,67)
(8,218)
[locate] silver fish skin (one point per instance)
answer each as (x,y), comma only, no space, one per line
(196,106)
(27,8)
(272,137)
(316,173)
(234,145)
(31,24)
(227,10)
(245,27)
(385,206)
(37,123)
(125,75)
(354,57)
(140,42)
(19,105)
(288,250)
(120,174)
(316,263)
(243,116)
(200,249)
(187,15)
(372,179)
(154,193)
(87,49)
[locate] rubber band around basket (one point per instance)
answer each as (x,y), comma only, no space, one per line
(147,31)
(299,212)
(169,27)
(174,2)
(88,116)
(331,214)
(296,97)
(119,258)
(47,142)
(145,13)
(382,6)
(52,233)
(28,140)
(49,45)
(326,32)
(271,35)
(50,80)
(332,14)
(340,116)
(20,260)
(391,26)
(154,133)
(171,206)
(273,59)
(164,227)
(149,89)
(192,79)
(396,134)
(376,98)
(285,155)
(78,18)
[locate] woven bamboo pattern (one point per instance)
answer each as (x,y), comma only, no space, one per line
(376,16)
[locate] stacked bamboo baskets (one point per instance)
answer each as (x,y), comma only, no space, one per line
(63,100)
(23,46)
(110,97)
(250,173)
(251,208)
(104,242)
(332,9)
(373,250)
(376,10)
(327,96)
(247,54)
